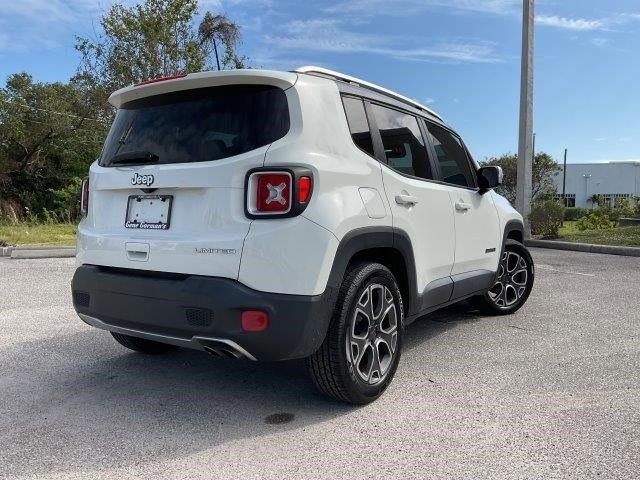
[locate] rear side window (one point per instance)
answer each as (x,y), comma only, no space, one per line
(196,125)
(452,157)
(403,143)
(358,124)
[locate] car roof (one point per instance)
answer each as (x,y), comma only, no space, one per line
(349,84)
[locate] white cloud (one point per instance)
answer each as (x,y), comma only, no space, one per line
(411,7)
(30,25)
(330,35)
(578,24)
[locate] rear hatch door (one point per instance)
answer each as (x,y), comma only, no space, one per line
(167,193)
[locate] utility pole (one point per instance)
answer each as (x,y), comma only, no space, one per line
(525,147)
(564,179)
(533,148)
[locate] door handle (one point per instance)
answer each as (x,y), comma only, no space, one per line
(462,206)
(406,199)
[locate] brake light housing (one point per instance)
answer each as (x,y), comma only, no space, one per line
(84,197)
(160,79)
(277,192)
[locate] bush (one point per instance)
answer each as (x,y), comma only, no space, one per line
(546,218)
(66,203)
(598,219)
(574,213)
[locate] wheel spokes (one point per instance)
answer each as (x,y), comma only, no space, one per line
(373,336)
(512,280)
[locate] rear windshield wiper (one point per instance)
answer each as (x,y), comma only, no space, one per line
(137,158)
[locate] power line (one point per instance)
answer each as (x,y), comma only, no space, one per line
(71,115)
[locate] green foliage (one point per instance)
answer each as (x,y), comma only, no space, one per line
(157,38)
(546,218)
(49,135)
(574,213)
(625,236)
(66,201)
(37,233)
(544,168)
(598,219)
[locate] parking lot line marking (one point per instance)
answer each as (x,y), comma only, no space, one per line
(551,269)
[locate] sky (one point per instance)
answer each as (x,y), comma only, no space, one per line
(458,57)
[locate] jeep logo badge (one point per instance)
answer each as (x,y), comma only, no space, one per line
(145,180)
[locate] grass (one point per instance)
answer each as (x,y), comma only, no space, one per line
(65,234)
(38,234)
(620,236)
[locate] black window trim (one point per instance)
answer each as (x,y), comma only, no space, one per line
(366,114)
(378,146)
(472,166)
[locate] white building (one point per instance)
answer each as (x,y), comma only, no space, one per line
(612,180)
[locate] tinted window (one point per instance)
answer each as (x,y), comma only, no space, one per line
(197,125)
(402,140)
(358,124)
(454,164)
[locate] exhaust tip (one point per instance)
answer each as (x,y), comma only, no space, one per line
(219,349)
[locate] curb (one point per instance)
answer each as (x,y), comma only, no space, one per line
(585,247)
(6,251)
(42,252)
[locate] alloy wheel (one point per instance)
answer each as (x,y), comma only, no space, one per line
(373,334)
(511,284)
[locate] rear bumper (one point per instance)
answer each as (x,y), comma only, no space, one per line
(196,311)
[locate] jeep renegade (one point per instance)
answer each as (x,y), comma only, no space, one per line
(279,215)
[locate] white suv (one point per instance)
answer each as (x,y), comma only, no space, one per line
(279,215)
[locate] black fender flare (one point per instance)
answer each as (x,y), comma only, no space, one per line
(366,238)
(510,227)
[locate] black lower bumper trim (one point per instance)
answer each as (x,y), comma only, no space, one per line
(187,307)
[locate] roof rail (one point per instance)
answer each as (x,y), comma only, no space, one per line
(363,83)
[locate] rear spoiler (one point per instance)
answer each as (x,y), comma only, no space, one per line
(282,80)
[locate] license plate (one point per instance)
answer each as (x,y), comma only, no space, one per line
(148,212)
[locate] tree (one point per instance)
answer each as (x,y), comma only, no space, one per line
(49,134)
(544,169)
(156,38)
(218,29)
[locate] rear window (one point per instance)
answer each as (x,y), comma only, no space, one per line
(196,125)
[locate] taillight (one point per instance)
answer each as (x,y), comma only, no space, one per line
(277,192)
(84,197)
(304,189)
(273,192)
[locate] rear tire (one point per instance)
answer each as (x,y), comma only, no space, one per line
(361,352)
(142,345)
(513,284)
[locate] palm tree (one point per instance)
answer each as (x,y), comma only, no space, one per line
(218,29)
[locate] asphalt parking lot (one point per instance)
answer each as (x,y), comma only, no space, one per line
(550,392)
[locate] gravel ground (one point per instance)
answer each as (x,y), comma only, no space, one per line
(550,392)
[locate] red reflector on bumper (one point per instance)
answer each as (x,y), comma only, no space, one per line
(254,321)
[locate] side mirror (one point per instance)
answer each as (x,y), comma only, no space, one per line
(488,178)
